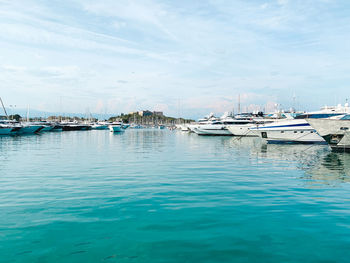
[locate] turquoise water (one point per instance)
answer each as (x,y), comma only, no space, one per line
(162,196)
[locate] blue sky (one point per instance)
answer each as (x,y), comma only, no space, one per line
(182,57)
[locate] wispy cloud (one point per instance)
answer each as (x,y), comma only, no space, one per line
(143,12)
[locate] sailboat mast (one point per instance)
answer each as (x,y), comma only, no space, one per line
(4,108)
(28,113)
(239,104)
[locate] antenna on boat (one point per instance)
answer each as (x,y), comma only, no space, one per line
(4,108)
(239,104)
(294,97)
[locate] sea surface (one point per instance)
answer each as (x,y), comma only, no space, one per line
(167,196)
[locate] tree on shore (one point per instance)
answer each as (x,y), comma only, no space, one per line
(16,117)
(148,120)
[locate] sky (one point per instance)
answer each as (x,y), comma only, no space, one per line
(186,58)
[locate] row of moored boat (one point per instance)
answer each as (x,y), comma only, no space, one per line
(329,125)
(10,127)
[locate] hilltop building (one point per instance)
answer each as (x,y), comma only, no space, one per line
(144,113)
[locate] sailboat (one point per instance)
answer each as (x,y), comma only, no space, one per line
(8,127)
(29,127)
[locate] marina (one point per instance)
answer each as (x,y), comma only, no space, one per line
(283,127)
(153,131)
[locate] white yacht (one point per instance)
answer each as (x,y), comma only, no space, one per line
(218,127)
(246,121)
(336,132)
(297,130)
(205,121)
(243,127)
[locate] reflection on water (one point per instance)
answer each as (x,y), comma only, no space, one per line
(330,168)
(319,164)
(317,161)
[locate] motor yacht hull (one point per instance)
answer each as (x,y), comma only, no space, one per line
(30,129)
(213,130)
(115,128)
(76,127)
(288,131)
(335,132)
(57,128)
(47,128)
(242,130)
(99,127)
(191,127)
(6,131)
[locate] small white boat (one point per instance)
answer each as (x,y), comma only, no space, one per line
(184,128)
(116,127)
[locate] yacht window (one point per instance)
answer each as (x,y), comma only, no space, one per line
(282,131)
(295,131)
(344,128)
(301,131)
